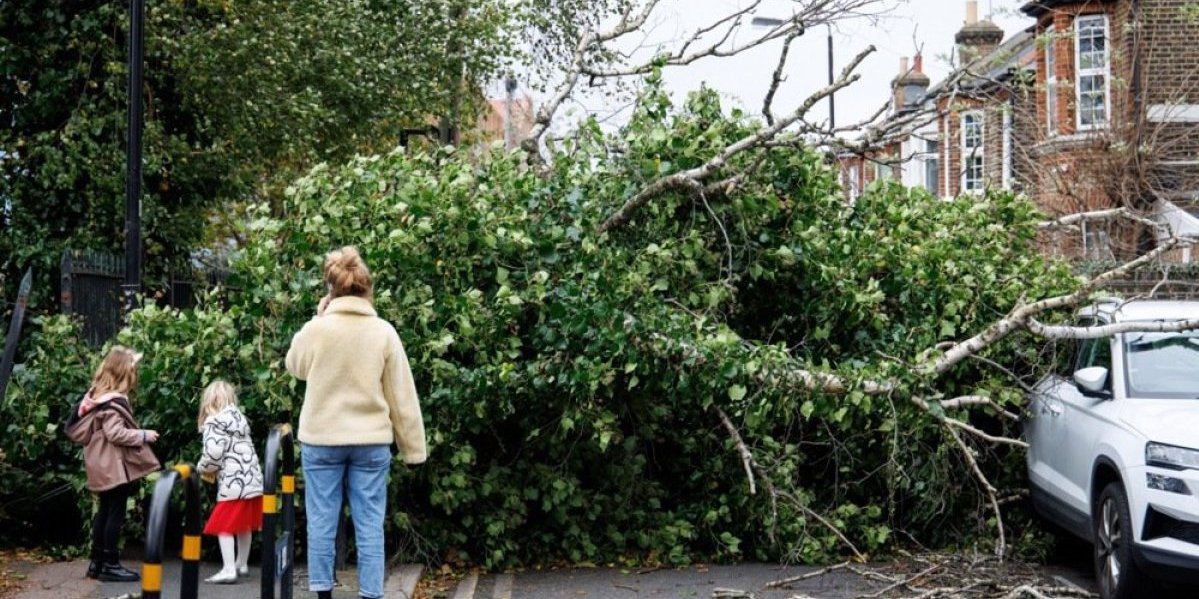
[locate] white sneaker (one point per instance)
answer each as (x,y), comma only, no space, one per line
(223,577)
(243,571)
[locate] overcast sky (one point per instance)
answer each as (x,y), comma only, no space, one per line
(745,78)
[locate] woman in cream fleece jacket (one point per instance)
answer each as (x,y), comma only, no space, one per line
(360,399)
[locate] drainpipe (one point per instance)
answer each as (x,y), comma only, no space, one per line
(1138,103)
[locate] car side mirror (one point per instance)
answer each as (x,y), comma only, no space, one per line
(1092,381)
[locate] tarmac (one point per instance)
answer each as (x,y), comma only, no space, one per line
(65,580)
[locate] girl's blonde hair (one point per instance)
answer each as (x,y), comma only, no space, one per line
(218,395)
(346,273)
(117,372)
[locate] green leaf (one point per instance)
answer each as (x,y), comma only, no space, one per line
(736,393)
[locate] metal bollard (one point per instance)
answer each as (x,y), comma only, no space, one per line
(159,506)
(278,555)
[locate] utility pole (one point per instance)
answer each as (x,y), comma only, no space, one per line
(832,112)
(133,156)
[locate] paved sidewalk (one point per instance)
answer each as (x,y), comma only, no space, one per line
(65,580)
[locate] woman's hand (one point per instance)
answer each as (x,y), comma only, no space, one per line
(151,436)
(324,303)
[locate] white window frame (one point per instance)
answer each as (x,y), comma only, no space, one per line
(946,147)
(855,187)
(968,153)
(931,158)
(1051,97)
(1105,71)
(1007,147)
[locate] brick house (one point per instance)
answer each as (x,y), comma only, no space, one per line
(972,113)
(1118,104)
(1094,106)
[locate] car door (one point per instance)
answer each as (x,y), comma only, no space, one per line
(1060,460)
(1083,419)
(1045,428)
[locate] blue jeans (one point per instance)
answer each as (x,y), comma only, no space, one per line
(365,469)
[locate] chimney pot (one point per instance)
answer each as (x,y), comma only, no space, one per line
(971,12)
(919,66)
(903,65)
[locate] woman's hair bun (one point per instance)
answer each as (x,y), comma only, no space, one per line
(346,273)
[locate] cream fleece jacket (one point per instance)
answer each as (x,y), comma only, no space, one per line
(360,389)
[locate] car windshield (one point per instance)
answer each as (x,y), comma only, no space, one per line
(1163,365)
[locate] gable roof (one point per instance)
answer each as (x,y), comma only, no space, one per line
(1037,8)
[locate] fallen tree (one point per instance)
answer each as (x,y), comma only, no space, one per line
(668,342)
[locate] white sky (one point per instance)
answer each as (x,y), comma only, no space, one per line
(745,78)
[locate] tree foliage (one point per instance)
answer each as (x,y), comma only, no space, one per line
(240,97)
(573,382)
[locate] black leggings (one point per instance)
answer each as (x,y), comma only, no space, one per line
(110,518)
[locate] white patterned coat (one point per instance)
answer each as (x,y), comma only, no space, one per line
(229,451)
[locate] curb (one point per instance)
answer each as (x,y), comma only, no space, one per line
(401,582)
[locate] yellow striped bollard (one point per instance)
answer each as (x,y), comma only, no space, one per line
(278,496)
(156,528)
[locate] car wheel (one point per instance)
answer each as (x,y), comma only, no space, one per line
(1115,570)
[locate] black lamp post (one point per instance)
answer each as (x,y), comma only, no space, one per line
(133,156)
(773,22)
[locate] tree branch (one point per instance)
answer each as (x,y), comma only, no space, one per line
(693,177)
(1020,316)
(777,77)
(992,494)
(531,144)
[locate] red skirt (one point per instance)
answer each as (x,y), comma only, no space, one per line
(235,516)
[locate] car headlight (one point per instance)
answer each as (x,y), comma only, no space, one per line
(1171,456)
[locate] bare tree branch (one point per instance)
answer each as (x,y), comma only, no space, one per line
(777,78)
(531,145)
(1077,218)
(747,458)
(1019,317)
(992,493)
(693,177)
(958,424)
(1107,330)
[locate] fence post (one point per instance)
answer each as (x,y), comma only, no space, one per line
(66,277)
(14,331)
(160,503)
(278,556)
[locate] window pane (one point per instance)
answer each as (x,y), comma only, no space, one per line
(972,130)
(1092,97)
(930,175)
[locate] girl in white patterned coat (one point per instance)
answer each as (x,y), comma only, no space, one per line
(229,454)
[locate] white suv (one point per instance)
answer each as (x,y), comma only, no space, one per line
(1114,449)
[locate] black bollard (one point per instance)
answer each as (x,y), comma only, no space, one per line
(278,555)
(160,503)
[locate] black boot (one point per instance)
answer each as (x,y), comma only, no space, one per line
(93,567)
(113,571)
(324,595)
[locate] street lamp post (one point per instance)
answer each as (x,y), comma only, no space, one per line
(773,22)
(133,156)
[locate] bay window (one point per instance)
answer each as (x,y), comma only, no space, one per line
(972,151)
(1093,71)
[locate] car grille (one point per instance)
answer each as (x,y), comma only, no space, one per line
(1159,525)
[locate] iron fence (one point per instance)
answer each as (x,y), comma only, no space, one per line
(90,288)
